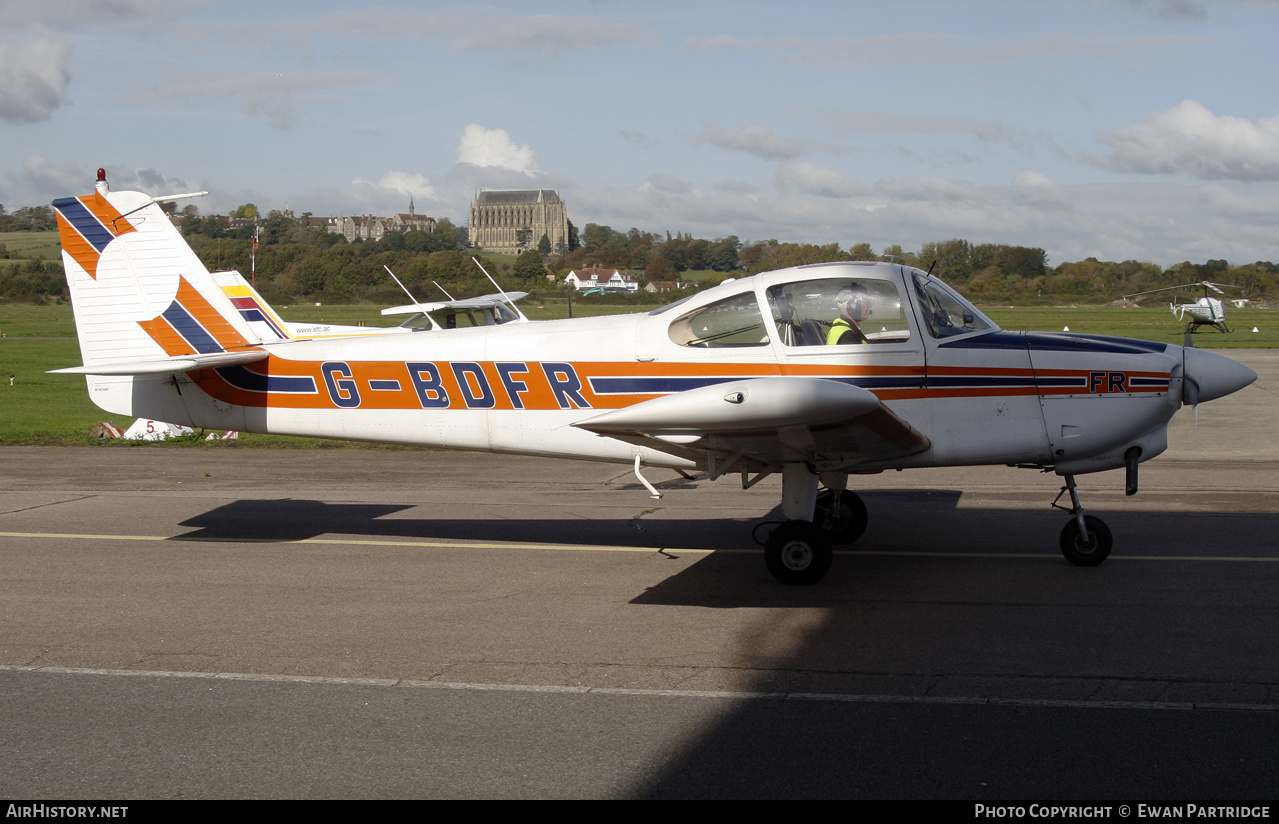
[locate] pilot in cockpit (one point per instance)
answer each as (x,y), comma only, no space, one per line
(853,303)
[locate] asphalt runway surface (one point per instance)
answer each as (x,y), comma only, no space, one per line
(237,623)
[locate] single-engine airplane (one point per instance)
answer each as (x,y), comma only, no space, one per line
(755,376)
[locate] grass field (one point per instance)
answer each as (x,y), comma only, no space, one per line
(55,409)
(40,245)
(1155,323)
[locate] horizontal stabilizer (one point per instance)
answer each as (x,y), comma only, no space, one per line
(183,363)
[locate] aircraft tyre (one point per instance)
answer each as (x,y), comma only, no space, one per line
(846,525)
(1094,550)
(798,552)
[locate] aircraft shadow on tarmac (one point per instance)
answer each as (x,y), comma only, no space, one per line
(289,519)
(909,530)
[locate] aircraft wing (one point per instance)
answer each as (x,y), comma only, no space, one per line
(164,366)
(482,302)
(770,420)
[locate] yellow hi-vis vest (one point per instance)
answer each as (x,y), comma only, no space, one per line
(841,327)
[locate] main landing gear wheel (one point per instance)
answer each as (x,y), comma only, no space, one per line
(798,552)
(845,525)
(1086,553)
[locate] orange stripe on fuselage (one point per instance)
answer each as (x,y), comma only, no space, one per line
(531,388)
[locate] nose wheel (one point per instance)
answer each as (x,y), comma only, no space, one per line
(1086,549)
(1085,539)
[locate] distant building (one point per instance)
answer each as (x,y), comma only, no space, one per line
(364,227)
(373,228)
(611,280)
(412,221)
(511,222)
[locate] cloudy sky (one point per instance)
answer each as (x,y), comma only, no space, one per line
(1121,129)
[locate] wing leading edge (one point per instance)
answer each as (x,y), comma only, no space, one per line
(769,420)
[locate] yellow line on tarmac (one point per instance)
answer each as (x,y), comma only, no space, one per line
(1111,559)
(603,548)
(360,542)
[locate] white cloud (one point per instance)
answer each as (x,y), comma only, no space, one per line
(521,39)
(813,179)
(1032,187)
(265,95)
(842,52)
(1159,222)
(926,187)
(398,186)
(33,76)
(46,180)
(144,180)
(667,185)
(1189,139)
(40,180)
(753,139)
(494,147)
(1169,9)
(1221,200)
(636,138)
(878,122)
(73,13)
(543,38)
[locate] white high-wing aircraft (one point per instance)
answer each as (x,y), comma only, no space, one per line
(488,310)
(735,379)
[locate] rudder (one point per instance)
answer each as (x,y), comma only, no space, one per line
(138,291)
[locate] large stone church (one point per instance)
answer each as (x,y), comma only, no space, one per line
(499,220)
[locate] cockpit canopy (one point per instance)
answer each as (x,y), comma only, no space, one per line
(839,304)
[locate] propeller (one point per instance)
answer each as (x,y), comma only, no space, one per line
(1190,395)
(1207,376)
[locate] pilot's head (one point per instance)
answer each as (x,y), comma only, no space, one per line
(853,302)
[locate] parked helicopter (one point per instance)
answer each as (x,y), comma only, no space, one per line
(1207,311)
(817,372)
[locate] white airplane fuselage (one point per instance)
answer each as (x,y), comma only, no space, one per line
(987,396)
(817,372)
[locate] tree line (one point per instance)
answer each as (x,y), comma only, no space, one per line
(297,259)
(28,219)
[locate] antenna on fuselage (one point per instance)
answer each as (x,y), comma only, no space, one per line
(401,285)
(416,302)
(500,290)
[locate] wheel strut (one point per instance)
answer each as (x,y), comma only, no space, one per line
(1085,540)
(1075,507)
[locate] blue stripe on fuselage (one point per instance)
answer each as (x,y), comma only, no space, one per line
(242,378)
(1057,342)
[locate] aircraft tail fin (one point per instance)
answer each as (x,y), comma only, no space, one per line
(253,308)
(139,293)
